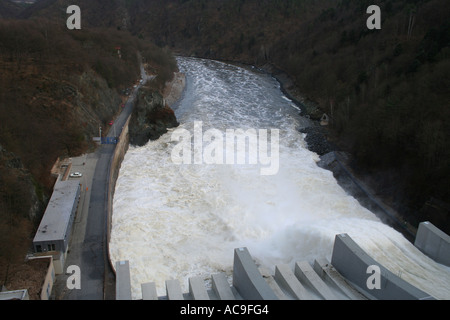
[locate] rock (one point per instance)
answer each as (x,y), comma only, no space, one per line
(174,89)
(151,117)
(316,140)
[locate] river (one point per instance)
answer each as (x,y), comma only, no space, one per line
(178,215)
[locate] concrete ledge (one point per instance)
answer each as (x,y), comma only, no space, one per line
(304,272)
(123,281)
(325,270)
(247,280)
(149,291)
(197,289)
(113,172)
(353,263)
(286,278)
(272,283)
(433,242)
(221,287)
(173,289)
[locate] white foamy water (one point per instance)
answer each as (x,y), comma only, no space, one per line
(177,221)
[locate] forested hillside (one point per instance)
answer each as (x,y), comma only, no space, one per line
(9,9)
(57,87)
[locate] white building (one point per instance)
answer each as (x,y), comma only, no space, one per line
(53,234)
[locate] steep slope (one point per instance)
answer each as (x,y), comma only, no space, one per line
(57,87)
(9,9)
(386,91)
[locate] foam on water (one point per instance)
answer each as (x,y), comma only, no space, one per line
(177,221)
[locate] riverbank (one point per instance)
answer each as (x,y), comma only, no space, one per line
(322,140)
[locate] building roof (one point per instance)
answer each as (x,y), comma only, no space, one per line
(59,209)
(14,295)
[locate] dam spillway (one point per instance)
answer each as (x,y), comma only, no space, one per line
(181,221)
(349,276)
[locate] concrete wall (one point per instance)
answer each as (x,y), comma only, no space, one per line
(58,259)
(248,280)
(123,280)
(433,242)
(15,295)
(353,263)
(173,92)
(116,162)
(49,280)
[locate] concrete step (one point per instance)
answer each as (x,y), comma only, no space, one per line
(247,279)
(149,291)
(173,289)
(287,280)
(306,274)
(221,287)
(123,287)
(273,284)
(305,282)
(330,275)
(197,289)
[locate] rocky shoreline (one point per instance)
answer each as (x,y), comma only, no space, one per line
(316,135)
(317,138)
(153,115)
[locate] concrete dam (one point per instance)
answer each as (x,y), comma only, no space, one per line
(346,277)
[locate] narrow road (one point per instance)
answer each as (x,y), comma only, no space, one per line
(88,246)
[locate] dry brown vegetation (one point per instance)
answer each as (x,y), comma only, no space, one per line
(56,88)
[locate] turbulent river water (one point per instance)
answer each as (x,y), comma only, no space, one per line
(175,220)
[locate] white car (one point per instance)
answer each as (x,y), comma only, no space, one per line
(76,175)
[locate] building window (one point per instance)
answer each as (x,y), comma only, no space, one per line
(38,248)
